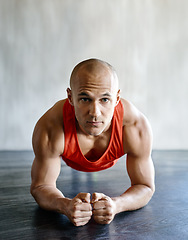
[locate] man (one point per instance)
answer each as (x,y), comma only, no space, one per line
(90,130)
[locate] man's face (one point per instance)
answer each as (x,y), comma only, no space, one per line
(94,96)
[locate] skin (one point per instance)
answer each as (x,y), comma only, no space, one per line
(94,94)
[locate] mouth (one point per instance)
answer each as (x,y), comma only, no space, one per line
(94,123)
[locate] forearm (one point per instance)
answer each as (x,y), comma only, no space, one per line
(134,198)
(50,198)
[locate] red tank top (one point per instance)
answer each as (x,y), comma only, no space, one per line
(72,154)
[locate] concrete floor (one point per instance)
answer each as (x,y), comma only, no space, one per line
(165,217)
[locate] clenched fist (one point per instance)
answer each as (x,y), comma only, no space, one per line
(79,209)
(104,208)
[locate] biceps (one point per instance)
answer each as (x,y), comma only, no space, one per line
(45,172)
(141,171)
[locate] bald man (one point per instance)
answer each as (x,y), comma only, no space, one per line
(90,131)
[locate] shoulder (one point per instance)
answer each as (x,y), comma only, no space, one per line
(131,113)
(48,134)
(137,137)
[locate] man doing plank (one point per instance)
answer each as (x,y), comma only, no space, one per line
(90,130)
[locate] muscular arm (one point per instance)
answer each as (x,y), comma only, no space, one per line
(137,196)
(142,185)
(47,145)
(43,188)
(137,144)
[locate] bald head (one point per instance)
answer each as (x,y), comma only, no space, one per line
(94,94)
(93,67)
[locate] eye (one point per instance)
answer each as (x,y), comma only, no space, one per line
(85,99)
(105,100)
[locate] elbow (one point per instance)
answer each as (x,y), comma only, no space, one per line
(147,195)
(33,191)
(152,188)
(150,192)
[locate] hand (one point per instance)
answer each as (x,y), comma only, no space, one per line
(103,208)
(79,210)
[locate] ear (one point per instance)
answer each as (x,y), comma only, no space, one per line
(118,97)
(69,96)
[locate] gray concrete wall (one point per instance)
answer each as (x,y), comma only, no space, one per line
(145,40)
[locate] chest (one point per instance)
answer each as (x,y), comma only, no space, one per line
(93,147)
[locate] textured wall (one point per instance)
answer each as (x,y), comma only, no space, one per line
(41,41)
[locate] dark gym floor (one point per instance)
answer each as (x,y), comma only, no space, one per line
(165,217)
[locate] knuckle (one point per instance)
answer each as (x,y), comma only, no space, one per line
(110,212)
(88,194)
(108,204)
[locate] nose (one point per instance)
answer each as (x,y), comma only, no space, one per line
(94,110)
